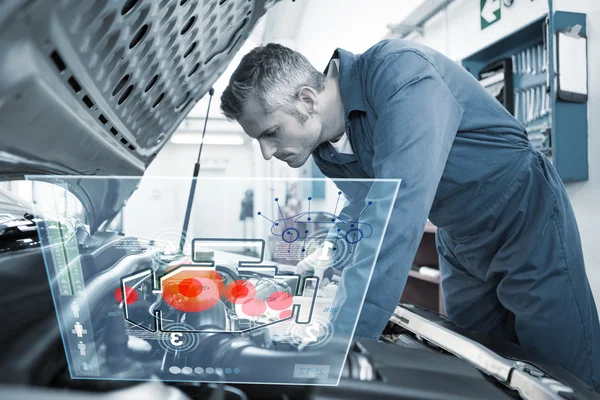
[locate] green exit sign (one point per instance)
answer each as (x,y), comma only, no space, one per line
(490,12)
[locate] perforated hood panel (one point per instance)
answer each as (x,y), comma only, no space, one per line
(97,87)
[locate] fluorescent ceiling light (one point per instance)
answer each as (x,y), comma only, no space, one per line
(192,125)
(196,138)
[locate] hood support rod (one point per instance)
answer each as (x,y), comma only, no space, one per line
(188,210)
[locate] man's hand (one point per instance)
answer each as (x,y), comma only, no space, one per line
(304,267)
(315,265)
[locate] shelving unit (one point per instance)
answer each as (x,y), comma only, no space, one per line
(424,290)
(556,127)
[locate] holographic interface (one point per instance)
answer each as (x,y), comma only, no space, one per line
(265,286)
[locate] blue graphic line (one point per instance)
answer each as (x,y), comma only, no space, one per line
(309,199)
(305,237)
(336,205)
(365,209)
(281,212)
(259,213)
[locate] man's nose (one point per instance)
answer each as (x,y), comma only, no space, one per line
(267,149)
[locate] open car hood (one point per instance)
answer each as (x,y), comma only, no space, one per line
(98,87)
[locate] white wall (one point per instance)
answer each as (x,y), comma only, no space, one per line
(457,33)
(353,25)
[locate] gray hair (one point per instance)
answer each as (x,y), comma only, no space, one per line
(273,74)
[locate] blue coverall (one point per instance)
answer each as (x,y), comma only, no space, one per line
(510,253)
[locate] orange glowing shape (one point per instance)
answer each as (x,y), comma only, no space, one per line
(193,291)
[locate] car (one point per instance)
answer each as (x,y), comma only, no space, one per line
(91,91)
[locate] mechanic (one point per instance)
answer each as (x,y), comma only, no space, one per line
(511,259)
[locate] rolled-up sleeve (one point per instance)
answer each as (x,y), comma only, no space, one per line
(417,120)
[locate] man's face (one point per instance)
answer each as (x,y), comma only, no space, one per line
(280,134)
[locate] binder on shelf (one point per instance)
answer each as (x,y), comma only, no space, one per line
(497,78)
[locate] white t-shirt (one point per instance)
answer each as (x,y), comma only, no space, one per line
(342,146)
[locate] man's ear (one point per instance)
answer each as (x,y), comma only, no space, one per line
(308,97)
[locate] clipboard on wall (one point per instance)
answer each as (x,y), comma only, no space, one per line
(572,68)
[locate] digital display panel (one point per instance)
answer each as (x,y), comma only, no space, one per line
(266,285)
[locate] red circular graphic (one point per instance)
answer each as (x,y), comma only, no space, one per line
(131,295)
(190,287)
(285,314)
(254,307)
(192,290)
(239,291)
(280,300)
